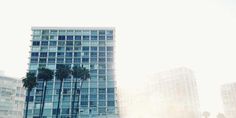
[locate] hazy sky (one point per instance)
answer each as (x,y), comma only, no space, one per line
(151,36)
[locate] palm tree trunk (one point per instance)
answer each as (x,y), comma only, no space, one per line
(41,101)
(73,100)
(27,103)
(59,99)
(44,95)
(78,102)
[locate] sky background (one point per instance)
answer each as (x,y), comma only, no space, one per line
(151,36)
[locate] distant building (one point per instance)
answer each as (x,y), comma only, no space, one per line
(228,93)
(12,96)
(174,94)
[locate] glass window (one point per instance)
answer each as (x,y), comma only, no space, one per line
(103,60)
(102,54)
(102,97)
(44,43)
(93,48)
(60,54)
(101,37)
(70,37)
(102,103)
(61,43)
(110,103)
(34,54)
(68,60)
(93,54)
(94,32)
(85,37)
(93,59)
(45,32)
(109,59)
(43,54)
(61,37)
(77,54)
(93,97)
(102,110)
(101,90)
(69,43)
(52,54)
(69,54)
(94,37)
(109,37)
(52,43)
(51,60)
(76,60)
(101,32)
(109,32)
(85,60)
(93,103)
(34,61)
(86,48)
(110,90)
(109,48)
(84,103)
(84,97)
(60,60)
(36,43)
(69,48)
(77,43)
(77,37)
(101,48)
(42,60)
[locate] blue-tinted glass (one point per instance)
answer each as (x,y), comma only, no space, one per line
(86,48)
(102,71)
(84,103)
(93,97)
(77,54)
(69,48)
(109,32)
(77,37)
(109,37)
(69,43)
(34,54)
(101,32)
(76,60)
(42,60)
(102,97)
(110,103)
(77,43)
(69,37)
(65,111)
(43,54)
(93,59)
(109,54)
(52,43)
(101,90)
(52,54)
(102,54)
(34,61)
(93,71)
(61,43)
(85,37)
(69,54)
(60,54)
(94,37)
(110,90)
(51,60)
(36,43)
(44,43)
(93,48)
(68,60)
(84,97)
(101,48)
(102,59)
(93,103)
(61,48)
(109,59)
(60,60)
(102,103)
(85,60)
(101,37)
(61,37)
(94,32)
(109,48)
(93,54)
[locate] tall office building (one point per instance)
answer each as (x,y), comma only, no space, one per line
(174,94)
(12,97)
(228,93)
(91,47)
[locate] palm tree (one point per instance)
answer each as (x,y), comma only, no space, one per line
(206,114)
(220,115)
(45,75)
(62,72)
(84,75)
(29,82)
(76,72)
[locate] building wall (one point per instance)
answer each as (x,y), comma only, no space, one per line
(12,96)
(91,47)
(228,93)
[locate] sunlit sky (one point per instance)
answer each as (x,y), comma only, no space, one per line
(151,36)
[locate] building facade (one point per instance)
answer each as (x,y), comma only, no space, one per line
(228,94)
(91,47)
(174,94)
(12,97)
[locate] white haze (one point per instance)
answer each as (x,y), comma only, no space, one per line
(151,36)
